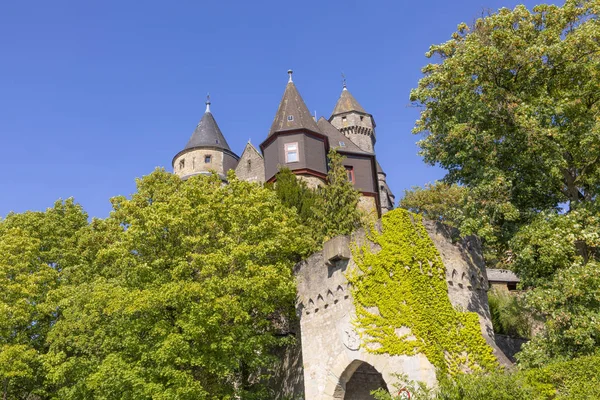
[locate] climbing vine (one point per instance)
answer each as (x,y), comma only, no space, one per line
(402,305)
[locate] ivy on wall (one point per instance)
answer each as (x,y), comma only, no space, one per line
(402,305)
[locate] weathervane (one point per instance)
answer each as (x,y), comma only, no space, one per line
(207,102)
(344,81)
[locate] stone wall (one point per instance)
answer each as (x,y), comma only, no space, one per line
(193,162)
(331,349)
(312,181)
(251,166)
(357,127)
(368,204)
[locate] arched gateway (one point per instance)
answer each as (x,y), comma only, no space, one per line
(332,363)
(357,382)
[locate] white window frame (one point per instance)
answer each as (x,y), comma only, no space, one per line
(289,151)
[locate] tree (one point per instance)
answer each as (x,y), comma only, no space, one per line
(294,192)
(437,201)
(34,249)
(337,210)
(571,305)
(511,111)
(180,294)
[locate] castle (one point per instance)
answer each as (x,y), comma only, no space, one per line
(299,142)
(328,360)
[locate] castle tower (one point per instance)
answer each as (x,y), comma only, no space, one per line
(386,197)
(206,151)
(295,141)
(353,121)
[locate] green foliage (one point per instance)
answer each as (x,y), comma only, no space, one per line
(556,241)
(178,294)
(329,210)
(511,111)
(574,380)
(570,303)
(34,248)
(437,201)
(509,315)
(294,192)
(337,210)
(402,304)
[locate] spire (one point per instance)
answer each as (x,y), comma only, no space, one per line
(207,132)
(292,112)
(347,103)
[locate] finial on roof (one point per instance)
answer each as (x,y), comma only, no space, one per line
(290,72)
(208,102)
(344,81)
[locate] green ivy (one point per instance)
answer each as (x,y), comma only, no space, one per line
(402,305)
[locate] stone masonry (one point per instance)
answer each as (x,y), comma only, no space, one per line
(333,362)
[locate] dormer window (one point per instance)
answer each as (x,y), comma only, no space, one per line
(290,117)
(342,144)
(291,152)
(207,159)
(181,164)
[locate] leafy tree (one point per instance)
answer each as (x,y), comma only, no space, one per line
(554,241)
(337,209)
(511,111)
(571,305)
(294,192)
(437,201)
(34,248)
(181,294)
(509,315)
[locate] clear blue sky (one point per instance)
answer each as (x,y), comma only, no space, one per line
(96,93)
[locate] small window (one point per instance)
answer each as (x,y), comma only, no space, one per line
(217,141)
(182,164)
(342,144)
(350,173)
(207,159)
(362,117)
(193,163)
(290,117)
(291,152)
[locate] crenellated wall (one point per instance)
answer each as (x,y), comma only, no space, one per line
(331,348)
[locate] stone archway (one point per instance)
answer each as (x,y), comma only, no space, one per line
(357,381)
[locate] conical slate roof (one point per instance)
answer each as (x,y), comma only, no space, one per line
(207,134)
(337,139)
(347,103)
(292,113)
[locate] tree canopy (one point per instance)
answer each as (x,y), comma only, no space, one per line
(510,107)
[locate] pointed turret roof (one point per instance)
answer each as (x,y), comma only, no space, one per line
(207,133)
(292,112)
(347,103)
(337,139)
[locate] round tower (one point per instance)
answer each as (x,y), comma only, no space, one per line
(353,121)
(206,151)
